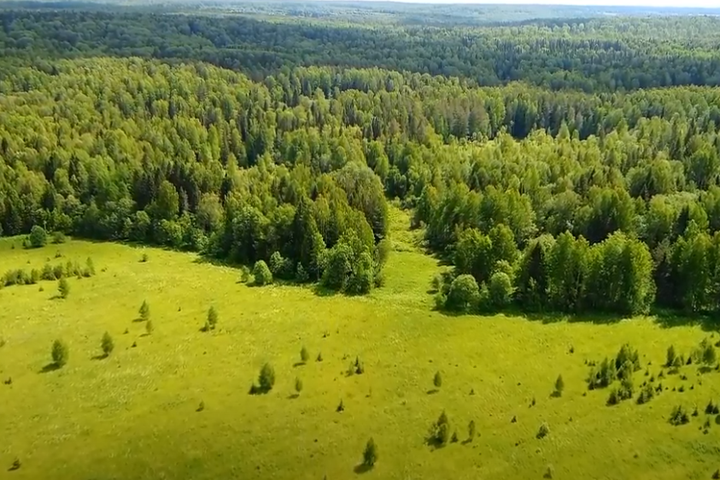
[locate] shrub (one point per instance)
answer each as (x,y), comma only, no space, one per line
(304,355)
(559,386)
(262,273)
(144,311)
(144,258)
(625,391)
(319,357)
(454,438)
(679,416)
(37,237)
(58,272)
(437,380)
(281,267)
(107,344)
(646,394)
(716,475)
(212,318)
(712,408)
(543,431)
(340,407)
(58,237)
(266,380)
(471,430)
(60,353)
(301,274)
(63,288)
(500,290)
(706,353)
(550,472)
(370,455)
(670,356)
(298,385)
(603,375)
(149,327)
(90,266)
(464,294)
(614,397)
(440,431)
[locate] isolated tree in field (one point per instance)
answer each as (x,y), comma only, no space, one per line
(543,431)
(304,355)
(60,353)
(298,385)
(559,386)
(149,327)
(707,353)
(107,344)
(212,319)
(266,380)
(63,287)
(144,311)
(37,237)
(670,356)
(437,380)
(262,273)
(471,430)
(440,431)
(370,455)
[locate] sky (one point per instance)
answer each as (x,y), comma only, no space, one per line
(642,3)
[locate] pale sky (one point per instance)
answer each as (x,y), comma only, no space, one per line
(641,3)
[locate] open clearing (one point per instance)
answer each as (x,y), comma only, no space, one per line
(133,415)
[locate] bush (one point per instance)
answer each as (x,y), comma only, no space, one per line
(340,407)
(37,237)
(437,380)
(670,356)
(319,357)
(712,408)
(58,272)
(266,380)
(107,344)
(559,386)
(440,431)
(603,375)
(646,394)
(464,294)
(244,274)
(614,397)
(60,353)
(471,430)
(144,258)
(454,438)
(90,266)
(679,416)
(63,288)
(298,385)
(370,455)
(543,431)
(301,274)
(262,273)
(58,238)
(304,355)
(281,267)
(500,290)
(144,311)
(212,319)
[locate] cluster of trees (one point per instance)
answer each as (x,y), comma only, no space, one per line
(591,54)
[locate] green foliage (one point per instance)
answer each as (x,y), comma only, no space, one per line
(500,290)
(679,416)
(107,344)
(144,311)
(60,353)
(58,237)
(370,454)
(262,274)
(437,380)
(63,287)
(602,375)
(646,394)
(304,355)
(439,434)
(212,318)
(559,386)
(266,380)
(670,357)
(37,237)
(543,431)
(281,267)
(471,430)
(464,294)
(298,385)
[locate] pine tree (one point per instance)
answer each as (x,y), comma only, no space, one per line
(212,318)
(559,386)
(63,287)
(370,455)
(107,344)
(60,353)
(144,311)
(437,380)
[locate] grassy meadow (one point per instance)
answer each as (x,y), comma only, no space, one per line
(133,415)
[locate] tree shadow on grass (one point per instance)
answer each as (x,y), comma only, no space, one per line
(293,396)
(362,468)
(102,356)
(50,367)
(433,391)
(299,364)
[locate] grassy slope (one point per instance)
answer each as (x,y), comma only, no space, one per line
(133,415)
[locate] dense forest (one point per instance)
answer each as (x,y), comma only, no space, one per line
(596,54)
(569,200)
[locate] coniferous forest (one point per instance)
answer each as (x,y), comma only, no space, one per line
(567,164)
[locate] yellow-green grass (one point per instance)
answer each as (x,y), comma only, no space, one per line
(133,415)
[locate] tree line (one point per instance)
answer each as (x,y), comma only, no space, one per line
(591,54)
